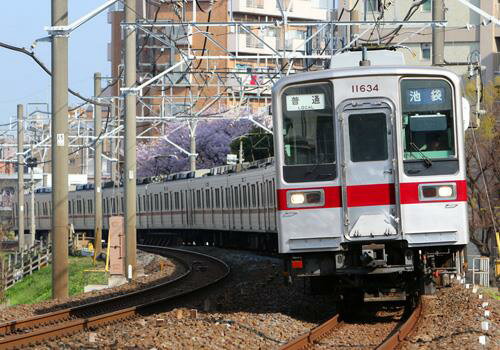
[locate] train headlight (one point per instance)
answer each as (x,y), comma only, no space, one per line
(297,198)
(445,191)
(433,192)
(306,198)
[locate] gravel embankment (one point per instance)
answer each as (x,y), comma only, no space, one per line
(452,320)
(253,309)
(155,268)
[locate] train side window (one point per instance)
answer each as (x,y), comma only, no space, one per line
(156,201)
(207,198)
(176,195)
(161,202)
(123,205)
(182,201)
(83,207)
(217,198)
(113,203)
(89,204)
(254,199)
(245,197)
(69,208)
(139,207)
(236,201)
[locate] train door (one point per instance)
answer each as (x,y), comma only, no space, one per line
(368,170)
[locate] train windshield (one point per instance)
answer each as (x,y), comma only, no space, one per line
(428,131)
(308,134)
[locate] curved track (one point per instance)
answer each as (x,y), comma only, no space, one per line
(202,271)
(314,337)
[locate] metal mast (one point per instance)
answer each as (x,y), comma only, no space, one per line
(130,141)
(97,168)
(20,176)
(437,33)
(59,154)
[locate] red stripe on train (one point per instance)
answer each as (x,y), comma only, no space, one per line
(371,195)
(408,192)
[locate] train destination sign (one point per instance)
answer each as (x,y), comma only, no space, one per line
(305,102)
(425,96)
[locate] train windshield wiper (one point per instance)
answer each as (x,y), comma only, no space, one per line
(427,161)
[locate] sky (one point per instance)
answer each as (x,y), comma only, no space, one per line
(23,81)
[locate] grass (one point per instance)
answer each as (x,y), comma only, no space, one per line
(491,292)
(38,286)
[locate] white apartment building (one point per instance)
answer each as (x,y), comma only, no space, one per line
(466,34)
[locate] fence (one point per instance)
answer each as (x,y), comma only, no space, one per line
(18,265)
(480,271)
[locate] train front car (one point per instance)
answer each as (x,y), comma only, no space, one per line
(370,179)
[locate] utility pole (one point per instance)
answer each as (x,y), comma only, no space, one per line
(32,200)
(192,149)
(354,29)
(20,176)
(59,155)
(97,168)
(130,141)
(437,33)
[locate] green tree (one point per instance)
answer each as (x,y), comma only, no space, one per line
(257,144)
(483,170)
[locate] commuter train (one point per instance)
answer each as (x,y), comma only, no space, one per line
(366,195)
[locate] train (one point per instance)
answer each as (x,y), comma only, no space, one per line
(365,197)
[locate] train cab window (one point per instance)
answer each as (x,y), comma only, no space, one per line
(428,132)
(368,137)
(308,133)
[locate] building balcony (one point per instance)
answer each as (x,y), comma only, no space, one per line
(246,43)
(299,9)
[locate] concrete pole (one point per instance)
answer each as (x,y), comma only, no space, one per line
(240,156)
(437,33)
(20,176)
(59,155)
(354,29)
(130,141)
(114,165)
(192,149)
(32,203)
(97,168)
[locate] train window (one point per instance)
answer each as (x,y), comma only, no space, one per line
(245,200)
(308,133)
(236,201)
(113,205)
(207,198)
(217,198)
(254,200)
(123,205)
(83,206)
(89,204)
(176,200)
(368,137)
(69,207)
(139,208)
(165,195)
(198,199)
(156,201)
(428,127)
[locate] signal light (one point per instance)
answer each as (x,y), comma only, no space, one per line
(297,263)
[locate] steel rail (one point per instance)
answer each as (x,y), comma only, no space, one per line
(68,325)
(313,336)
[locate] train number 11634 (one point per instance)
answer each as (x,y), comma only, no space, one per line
(364,88)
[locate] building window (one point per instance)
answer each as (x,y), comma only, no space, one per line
(256,4)
(427,6)
(426,51)
(372,5)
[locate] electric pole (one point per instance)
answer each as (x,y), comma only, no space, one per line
(192,149)
(130,141)
(20,176)
(32,200)
(59,155)
(97,168)
(437,33)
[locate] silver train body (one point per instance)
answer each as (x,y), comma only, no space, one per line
(368,183)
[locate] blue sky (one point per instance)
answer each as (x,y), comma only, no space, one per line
(21,22)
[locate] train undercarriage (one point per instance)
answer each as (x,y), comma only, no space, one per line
(376,272)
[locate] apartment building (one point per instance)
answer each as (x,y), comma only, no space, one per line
(234,60)
(467,34)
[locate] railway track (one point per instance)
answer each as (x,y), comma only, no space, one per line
(314,338)
(202,271)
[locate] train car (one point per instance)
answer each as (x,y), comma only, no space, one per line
(366,196)
(370,174)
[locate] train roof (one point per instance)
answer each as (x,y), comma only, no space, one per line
(364,71)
